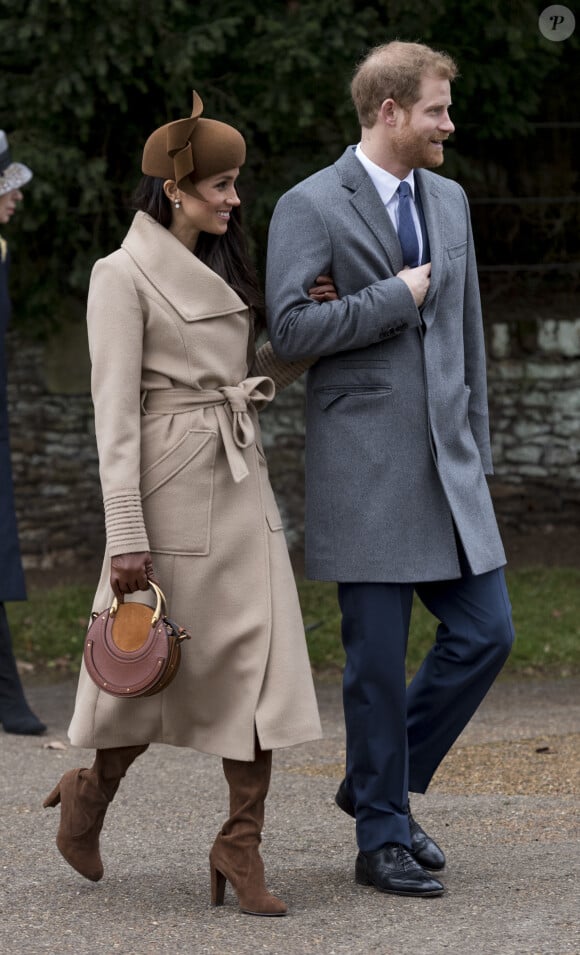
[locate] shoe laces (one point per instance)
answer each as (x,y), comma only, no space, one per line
(405,860)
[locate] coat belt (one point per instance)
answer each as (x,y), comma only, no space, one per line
(237,432)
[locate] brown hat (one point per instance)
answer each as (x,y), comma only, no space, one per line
(188,150)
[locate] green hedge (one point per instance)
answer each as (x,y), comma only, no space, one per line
(82,85)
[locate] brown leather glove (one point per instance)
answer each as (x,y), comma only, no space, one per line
(324,290)
(131,572)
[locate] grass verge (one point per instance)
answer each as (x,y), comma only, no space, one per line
(48,630)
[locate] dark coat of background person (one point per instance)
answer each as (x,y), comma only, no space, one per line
(12,582)
(15,714)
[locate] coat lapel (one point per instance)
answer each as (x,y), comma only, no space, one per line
(367,203)
(431,203)
(190,287)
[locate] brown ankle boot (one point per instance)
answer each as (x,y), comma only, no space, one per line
(85,795)
(235,854)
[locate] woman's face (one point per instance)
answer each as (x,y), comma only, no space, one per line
(8,205)
(211,211)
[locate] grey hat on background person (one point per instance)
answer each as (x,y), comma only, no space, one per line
(13,175)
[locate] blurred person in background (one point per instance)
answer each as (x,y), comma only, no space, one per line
(15,713)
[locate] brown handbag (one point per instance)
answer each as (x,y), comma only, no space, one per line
(131,650)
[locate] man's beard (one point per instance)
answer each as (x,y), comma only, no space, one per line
(414,151)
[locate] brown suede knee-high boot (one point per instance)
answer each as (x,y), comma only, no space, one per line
(235,854)
(85,795)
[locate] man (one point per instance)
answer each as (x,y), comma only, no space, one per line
(15,714)
(397,445)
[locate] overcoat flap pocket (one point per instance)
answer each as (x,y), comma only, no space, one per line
(327,396)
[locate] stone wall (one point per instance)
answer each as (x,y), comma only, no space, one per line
(534,394)
(534,391)
(54,456)
(283,437)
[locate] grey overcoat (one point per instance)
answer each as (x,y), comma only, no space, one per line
(397,442)
(184,476)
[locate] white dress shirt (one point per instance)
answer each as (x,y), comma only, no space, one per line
(387,185)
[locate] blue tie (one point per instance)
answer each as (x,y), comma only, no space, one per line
(407,231)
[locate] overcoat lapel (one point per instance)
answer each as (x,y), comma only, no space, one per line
(431,204)
(367,203)
(192,289)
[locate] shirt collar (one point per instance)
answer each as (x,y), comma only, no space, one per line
(384,182)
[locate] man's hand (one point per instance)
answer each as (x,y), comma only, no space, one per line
(131,572)
(324,290)
(417,280)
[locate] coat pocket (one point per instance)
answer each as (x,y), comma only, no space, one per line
(177,492)
(328,395)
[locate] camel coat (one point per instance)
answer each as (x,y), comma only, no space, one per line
(183,475)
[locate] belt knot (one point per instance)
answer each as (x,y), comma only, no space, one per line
(254,391)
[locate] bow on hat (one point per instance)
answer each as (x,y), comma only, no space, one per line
(179,141)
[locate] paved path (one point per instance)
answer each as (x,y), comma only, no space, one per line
(513,860)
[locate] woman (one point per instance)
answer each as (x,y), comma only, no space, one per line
(176,388)
(15,713)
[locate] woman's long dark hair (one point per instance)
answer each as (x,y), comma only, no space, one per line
(227,254)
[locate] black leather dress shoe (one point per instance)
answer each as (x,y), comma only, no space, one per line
(424,849)
(393,869)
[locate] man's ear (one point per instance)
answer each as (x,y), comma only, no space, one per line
(388,112)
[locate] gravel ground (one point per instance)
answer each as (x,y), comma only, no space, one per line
(504,806)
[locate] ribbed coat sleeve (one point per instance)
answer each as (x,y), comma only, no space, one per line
(282,373)
(115,330)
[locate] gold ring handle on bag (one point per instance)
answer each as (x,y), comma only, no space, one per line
(161,603)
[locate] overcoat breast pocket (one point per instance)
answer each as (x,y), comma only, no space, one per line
(177,493)
(455,251)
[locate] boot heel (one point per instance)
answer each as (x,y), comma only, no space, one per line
(218,886)
(53,799)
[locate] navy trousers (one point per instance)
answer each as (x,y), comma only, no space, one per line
(396,736)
